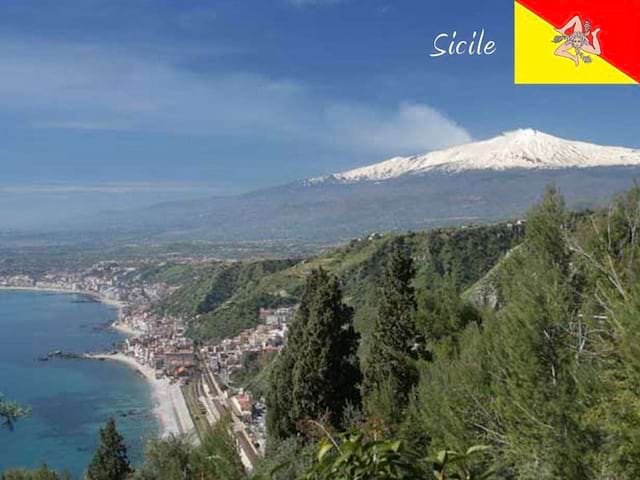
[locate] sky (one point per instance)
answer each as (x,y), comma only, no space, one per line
(108,104)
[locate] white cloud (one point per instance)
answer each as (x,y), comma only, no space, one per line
(86,87)
(409,129)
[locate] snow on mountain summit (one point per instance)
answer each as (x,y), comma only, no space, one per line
(519,149)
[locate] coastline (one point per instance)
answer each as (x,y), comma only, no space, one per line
(170,406)
(107,301)
(117,324)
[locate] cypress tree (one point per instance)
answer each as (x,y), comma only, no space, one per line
(325,375)
(315,375)
(280,421)
(110,461)
(389,367)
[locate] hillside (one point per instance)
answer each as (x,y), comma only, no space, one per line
(225,298)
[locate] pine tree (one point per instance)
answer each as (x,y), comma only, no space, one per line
(110,461)
(533,367)
(389,368)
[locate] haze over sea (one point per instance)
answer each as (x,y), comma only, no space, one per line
(70,399)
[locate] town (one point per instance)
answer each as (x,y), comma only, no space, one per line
(159,343)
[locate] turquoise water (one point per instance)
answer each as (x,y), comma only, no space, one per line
(70,399)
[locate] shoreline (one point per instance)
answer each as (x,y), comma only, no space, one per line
(107,301)
(170,407)
(117,324)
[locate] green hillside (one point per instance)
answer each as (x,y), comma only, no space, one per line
(225,298)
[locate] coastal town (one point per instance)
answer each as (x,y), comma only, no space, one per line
(194,384)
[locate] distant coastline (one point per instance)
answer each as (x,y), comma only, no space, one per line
(94,295)
(117,324)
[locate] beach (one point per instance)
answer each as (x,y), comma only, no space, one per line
(69,399)
(170,406)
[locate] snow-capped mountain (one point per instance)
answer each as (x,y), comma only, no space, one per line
(519,149)
(485,181)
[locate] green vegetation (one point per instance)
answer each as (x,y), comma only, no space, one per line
(110,462)
(389,373)
(547,379)
(477,364)
(10,412)
(222,299)
(316,374)
(42,473)
(354,457)
(176,458)
(253,376)
(225,298)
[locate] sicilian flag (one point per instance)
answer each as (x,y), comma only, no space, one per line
(577,41)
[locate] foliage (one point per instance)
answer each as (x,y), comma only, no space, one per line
(284,460)
(42,473)
(389,372)
(253,375)
(225,297)
(167,459)
(10,412)
(216,458)
(222,299)
(316,375)
(449,464)
(110,462)
(356,457)
(550,380)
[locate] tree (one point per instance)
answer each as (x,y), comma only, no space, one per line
(167,459)
(316,375)
(325,376)
(10,412)
(389,371)
(42,473)
(280,421)
(110,462)
(217,458)
(534,372)
(441,312)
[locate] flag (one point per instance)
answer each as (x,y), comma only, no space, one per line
(577,41)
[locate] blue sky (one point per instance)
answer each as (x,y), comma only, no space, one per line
(112,103)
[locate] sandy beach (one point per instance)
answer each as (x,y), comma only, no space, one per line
(170,406)
(125,329)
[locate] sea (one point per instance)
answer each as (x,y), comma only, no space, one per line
(70,399)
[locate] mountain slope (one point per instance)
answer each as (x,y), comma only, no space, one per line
(491,180)
(359,264)
(520,149)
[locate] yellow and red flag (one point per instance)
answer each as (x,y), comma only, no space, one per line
(577,41)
